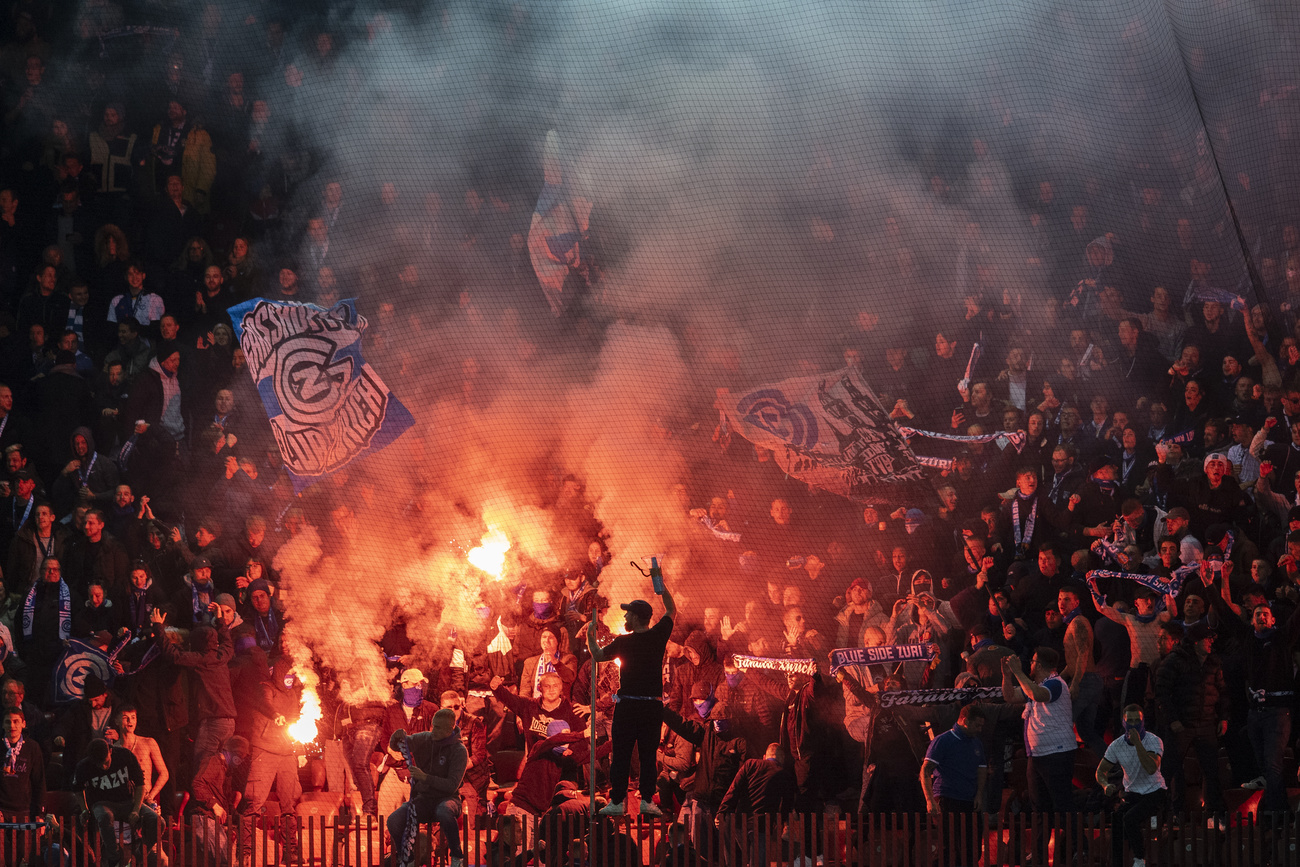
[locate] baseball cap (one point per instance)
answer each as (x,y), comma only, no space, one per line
(701,691)
(1198,632)
(639,607)
(1216,456)
(202,563)
(1178,512)
(411,677)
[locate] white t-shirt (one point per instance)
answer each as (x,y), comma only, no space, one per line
(1136,779)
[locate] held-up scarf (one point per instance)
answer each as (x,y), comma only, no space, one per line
(1023,537)
(12,751)
(65,610)
(1015,437)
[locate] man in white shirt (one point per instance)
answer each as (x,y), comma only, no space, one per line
(1138,752)
(1049,734)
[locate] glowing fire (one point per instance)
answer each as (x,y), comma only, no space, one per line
(304,730)
(490,555)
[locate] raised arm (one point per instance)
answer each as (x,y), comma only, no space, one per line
(597,653)
(670,607)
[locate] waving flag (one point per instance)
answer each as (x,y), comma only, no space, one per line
(830,431)
(559,228)
(327,407)
(79,662)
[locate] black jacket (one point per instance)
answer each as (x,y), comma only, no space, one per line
(1189,691)
(761,786)
(719,757)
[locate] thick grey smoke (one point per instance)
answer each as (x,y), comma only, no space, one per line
(772,182)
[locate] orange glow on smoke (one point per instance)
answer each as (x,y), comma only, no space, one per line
(490,555)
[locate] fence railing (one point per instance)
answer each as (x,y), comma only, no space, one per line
(574,840)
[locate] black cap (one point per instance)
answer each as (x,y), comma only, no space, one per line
(639,607)
(1243,419)
(202,563)
(1198,632)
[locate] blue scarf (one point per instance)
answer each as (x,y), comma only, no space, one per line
(267,629)
(65,610)
(1066,618)
(201,610)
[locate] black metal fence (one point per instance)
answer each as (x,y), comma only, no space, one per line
(574,840)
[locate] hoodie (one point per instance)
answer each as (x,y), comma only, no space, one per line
(97,472)
(709,671)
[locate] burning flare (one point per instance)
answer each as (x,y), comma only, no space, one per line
(490,555)
(304,730)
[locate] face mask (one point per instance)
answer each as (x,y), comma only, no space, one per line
(734,679)
(542,610)
(703,708)
(412,695)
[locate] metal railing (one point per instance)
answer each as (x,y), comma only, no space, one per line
(797,840)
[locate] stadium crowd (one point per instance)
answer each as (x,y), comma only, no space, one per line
(143,502)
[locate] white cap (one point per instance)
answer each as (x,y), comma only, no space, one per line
(411,677)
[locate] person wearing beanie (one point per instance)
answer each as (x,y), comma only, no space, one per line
(437,770)
(263,616)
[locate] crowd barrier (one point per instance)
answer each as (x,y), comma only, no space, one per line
(797,840)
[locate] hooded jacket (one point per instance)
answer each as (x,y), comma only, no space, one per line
(709,672)
(98,470)
(444,761)
(210,653)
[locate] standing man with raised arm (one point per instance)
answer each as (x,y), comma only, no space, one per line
(639,707)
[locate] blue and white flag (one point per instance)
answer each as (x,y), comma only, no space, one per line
(830,431)
(79,662)
(326,406)
(559,229)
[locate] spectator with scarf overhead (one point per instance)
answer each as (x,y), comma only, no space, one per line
(46,625)
(1143,625)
